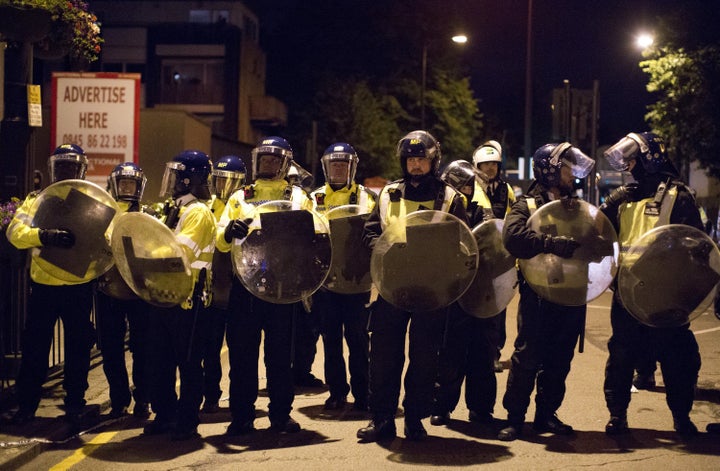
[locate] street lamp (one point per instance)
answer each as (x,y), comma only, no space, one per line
(644,40)
(458,39)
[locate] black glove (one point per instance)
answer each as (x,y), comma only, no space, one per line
(236,229)
(57,237)
(621,194)
(560,245)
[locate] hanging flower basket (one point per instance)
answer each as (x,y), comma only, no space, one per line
(24,24)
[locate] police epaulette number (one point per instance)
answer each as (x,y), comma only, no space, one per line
(394,195)
(320,199)
(249,192)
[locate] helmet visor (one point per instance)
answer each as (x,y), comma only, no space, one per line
(225,183)
(620,154)
(580,164)
(170,179)
(67,167)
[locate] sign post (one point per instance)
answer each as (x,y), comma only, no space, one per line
(100,112)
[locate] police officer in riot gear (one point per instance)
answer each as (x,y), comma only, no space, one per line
(343,314)
(487,158)
(547,332)
(250,316)
(635,208)
(178,332)
(420,188)
(228,176)
(126,184)
(52,298)
(469,344)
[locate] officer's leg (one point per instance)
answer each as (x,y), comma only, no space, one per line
(79,340)
(452,363)
(426,330)
(480,380)
(212,367)
(243,339)
(327,306)
(355,319)
(139,343)
(626,335)
(111,325)
(277,321)
(388,327)
(36,340)
(190,329)
(680,364)
(163,370)
(306,335)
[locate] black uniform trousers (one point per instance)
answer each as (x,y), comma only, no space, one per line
(212,366)
(344,315)
(248,318)
(177,337)
(467,353)
(676,350)
(388,329)
(114,317)
(305,337)
(544,349)
(72,304)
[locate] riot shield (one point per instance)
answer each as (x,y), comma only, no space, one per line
(496,281)
(669,276)
(286,255)
(151,260)
(350,269)
(424,261)
(88,212)
(588,273)
(113,284)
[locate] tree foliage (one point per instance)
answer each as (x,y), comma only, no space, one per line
(687,112)
(683,71)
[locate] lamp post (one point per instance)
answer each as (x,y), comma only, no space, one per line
(528,91)
(458,39)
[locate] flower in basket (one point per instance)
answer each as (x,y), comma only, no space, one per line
(74,29)
(7,211)
(77,28)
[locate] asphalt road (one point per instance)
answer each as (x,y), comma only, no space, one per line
(328,441)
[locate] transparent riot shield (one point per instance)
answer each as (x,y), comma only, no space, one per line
(669,276)
(496,280)
(424,261)
(151,260)
(590,271)
(87,211)
(286,255)
(350,269)
(112,283)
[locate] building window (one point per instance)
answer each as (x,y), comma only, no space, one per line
(192,81)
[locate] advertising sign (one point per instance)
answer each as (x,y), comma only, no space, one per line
(100,112)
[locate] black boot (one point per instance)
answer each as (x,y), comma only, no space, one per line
(551,423)
(617,425)
(378,430)
(414,429)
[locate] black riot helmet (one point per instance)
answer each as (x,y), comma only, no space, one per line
(67,162)
(187,172)
(127,182)
(419,144)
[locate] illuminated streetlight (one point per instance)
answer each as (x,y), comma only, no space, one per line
(644,40)
(458,39)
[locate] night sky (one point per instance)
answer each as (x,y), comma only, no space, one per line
(578,40)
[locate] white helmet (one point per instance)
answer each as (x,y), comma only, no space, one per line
(490,151)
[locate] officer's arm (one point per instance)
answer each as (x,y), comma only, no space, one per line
(372,229)
(19,232)
(685,211)
(228,215)
(518,239)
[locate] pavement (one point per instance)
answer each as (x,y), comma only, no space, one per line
(653,444)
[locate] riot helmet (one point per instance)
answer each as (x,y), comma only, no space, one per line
(67,162)
(490,151)
(419,144)
(298,176)
(548,159)
(339,164)
(460,175)
(127,182)
(646,148)
(188,172)
(228,175)
(271,158)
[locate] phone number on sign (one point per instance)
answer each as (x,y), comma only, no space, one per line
(97,141)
